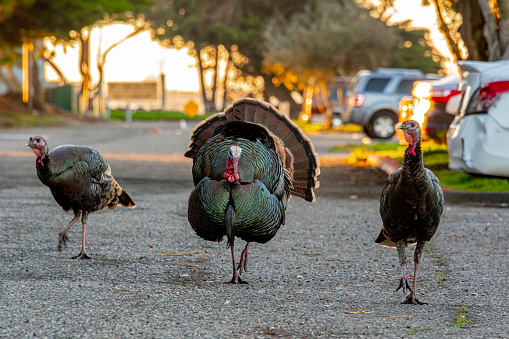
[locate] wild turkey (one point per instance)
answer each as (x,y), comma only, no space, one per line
(80,180)
(411,205)
(246,163)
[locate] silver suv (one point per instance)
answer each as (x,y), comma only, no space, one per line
(373,98)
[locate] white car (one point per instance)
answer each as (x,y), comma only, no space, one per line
(478,138)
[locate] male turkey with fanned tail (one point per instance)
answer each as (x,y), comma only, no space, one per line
(411,205)
(246,164)
(80,180)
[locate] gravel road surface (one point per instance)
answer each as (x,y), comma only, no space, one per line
(151,276)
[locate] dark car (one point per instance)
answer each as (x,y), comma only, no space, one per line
(325,104)
(433,104)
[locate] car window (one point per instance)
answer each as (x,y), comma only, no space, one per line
(472,104)
(376,84)
(405,86)
(333,94)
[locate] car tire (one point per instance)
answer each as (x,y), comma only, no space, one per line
(381,125)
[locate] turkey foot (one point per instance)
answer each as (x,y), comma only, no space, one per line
(242,267)
(403,283)
(236,279)
(62,240)
(62,236)
(82,255)
(411,299)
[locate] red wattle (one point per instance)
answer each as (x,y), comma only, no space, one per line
(231,170)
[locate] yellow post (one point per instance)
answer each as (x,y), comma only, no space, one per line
(26,48)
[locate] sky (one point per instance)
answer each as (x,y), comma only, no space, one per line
(423,17)
(136,59)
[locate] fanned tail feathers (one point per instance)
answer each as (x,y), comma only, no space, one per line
(298,154)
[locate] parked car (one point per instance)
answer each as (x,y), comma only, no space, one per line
(337,98)
(433,105)
(316,107)
(373,98)
(325,104)
(478,137)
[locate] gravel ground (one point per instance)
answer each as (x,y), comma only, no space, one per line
(321,275)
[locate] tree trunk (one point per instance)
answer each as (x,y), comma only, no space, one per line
(225,80)
(503,7)
(282,93)
(490,31)
(214,82)
(38,100)
(471,30)
(209,105)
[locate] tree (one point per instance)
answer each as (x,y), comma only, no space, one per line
(24,21)
(35,19)
(336,38)
(232,29)
(473,29)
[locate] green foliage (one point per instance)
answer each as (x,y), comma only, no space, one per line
(225,22)
(461,320)
(412,53)
(12,119)
(33,19)
(461,181)
(120,115)
(332,38)
(434,155)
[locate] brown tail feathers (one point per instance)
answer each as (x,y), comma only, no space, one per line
(125,200)
(305,164)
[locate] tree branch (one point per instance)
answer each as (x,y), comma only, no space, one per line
(57,70)
(130,35)
(101,59)
(444,29)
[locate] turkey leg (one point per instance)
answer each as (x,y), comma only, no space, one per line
(403,282)
(411,299)
(236,279)
(242,267)
(62,236)
(82,254)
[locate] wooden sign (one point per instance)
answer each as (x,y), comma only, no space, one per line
(132,91)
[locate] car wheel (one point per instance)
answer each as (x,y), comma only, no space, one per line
(381,125)
(368,131)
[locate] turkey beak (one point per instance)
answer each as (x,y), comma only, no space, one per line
(401,127)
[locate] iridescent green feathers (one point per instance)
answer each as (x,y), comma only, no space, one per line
(287,139)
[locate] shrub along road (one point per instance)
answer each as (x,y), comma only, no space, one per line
(151,276)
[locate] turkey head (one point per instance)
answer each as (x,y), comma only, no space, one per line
(412,133)
(39,147)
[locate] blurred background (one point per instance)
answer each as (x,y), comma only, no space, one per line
(92,57)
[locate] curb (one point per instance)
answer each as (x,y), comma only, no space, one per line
(389,165)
